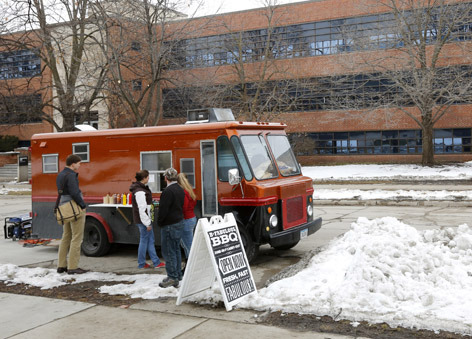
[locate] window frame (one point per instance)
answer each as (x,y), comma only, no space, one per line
(158,172)
(56,155)
(187,173)
(80,153)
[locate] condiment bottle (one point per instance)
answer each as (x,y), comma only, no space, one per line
(123,199)
(128,198)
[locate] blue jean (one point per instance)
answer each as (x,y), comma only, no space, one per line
(146,245)
(171,235)
(187,235)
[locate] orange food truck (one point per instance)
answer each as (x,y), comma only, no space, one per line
(246,168)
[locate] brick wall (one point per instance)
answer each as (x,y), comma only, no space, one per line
(8,158)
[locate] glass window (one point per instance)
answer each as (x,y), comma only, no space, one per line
(19,64)
(137,85)
(187,166)
(50,163)
(226,160)
(156,163)
(82,150)
(209,194)
(241,157)
(20,109)
(90,119)
(259,156)
(136,46)
(284,157)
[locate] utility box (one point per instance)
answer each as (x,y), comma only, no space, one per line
(22,168)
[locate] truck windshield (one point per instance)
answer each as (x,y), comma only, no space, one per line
(284,156)
(259,157)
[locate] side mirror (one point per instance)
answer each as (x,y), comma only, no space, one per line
(233,176)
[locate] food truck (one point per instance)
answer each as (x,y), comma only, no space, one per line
(246,168)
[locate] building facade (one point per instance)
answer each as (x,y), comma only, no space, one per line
(328,62)
(337,72)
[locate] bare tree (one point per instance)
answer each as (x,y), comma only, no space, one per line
(138,44)
(259,94)
(241,69)
(417,72)
(62,35)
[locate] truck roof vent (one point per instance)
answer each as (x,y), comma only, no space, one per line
(209,115)
(84,128)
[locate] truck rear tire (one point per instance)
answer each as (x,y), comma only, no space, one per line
(95,242)
(251,249)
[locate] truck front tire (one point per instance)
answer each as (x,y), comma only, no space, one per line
(251,248)
(95,243)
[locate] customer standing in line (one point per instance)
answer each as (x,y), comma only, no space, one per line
(67,182)
(141,202)
(170,220)
(190,220)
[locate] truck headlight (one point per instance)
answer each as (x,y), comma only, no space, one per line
(309,210)
(273,221)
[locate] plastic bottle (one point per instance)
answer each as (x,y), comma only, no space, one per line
(123,199)
(128,199)
(118,198)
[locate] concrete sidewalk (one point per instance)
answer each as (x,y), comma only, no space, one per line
(43,318)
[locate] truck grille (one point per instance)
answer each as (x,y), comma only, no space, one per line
(294,209)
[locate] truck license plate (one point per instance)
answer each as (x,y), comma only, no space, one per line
(304,233)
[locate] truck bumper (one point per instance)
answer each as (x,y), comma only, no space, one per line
(293,234)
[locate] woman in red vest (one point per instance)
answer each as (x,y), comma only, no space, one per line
(190,220)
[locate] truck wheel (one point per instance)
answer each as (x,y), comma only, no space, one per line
(95,242)
(251,249)
(287,246)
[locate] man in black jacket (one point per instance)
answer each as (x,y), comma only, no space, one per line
(171,222)
(73,233)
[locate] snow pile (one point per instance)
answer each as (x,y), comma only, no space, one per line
(462,171)
(384,271)
(7,190)
(398,195)
(144,286)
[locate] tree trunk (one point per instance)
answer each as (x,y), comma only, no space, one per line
(428,146)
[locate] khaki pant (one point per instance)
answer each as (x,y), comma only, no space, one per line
(71,241)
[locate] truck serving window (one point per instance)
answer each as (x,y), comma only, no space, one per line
(284,156)
(226,160)
(259,157)
(156,163)
(241,157)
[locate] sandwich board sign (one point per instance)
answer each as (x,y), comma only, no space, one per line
(217,253)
